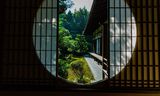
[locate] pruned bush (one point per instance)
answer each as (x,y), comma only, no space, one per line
(77,65)
(62,68)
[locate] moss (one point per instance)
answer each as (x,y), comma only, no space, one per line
(79,71)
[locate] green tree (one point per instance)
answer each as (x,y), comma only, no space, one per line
(65,41)
(75,22)
(81,44)
(64,4)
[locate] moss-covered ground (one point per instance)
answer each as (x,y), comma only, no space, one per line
(79,71)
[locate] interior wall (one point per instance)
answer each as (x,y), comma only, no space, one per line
(21,13)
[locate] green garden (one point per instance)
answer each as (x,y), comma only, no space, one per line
(72,46)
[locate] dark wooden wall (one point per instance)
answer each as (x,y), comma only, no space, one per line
(19,63)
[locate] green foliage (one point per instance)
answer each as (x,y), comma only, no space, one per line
(71,43)
(77,46)
(75,22)
(80,71)
(63,33)
(67,44)
(78,66)
(71,26)
(70,58)
(81,44)
(75,69)
(64,4)
(62,69)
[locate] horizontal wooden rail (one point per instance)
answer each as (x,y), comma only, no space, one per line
(100,59)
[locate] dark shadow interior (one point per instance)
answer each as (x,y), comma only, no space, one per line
(21,68)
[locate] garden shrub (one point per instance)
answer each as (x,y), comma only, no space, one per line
(62,68)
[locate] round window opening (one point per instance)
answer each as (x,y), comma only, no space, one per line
(78,51)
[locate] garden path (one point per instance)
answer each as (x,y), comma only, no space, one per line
(95,68)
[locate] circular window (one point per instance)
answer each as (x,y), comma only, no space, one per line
(77,55)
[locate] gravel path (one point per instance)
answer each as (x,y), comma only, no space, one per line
(95,68)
